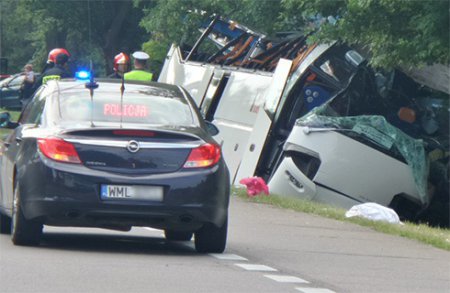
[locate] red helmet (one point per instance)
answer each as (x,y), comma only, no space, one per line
(55,52)
(121,58)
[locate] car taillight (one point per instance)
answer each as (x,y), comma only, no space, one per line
(58,150)
(203,156)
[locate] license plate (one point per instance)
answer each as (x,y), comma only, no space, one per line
(131,192)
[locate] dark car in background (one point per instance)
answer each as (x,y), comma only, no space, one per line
(3,68)
(88,156)
(10,92)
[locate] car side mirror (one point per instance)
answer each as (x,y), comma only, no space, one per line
(5,119)
(212,129)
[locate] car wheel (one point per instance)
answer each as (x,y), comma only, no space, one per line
(177,235)
(5,224)
(23,231)
(211,239)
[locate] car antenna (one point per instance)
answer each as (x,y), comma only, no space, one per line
(122,90)
(92,85)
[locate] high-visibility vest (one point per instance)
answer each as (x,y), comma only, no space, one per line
(50,77)
(139,75)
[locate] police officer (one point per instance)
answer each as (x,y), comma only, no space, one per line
(139,73)
(121,65)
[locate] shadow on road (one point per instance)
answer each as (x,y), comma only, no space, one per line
(129,244)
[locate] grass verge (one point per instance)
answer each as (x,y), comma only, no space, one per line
(437,237)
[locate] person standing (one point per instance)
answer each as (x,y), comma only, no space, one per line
(29,73)
(139,73)
(28,82)
(56,72)
(51,59)
(121,65)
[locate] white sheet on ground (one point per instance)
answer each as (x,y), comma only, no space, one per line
(375,212)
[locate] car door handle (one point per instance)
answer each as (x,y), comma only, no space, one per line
(6,144)
(18,140)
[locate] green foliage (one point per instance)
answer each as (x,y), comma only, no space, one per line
(396,33)
(157,51)
(90,30)
(15,37)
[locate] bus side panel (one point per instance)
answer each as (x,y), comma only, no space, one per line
(194,77)
(236,114)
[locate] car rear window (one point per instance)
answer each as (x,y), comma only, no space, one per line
(146,106)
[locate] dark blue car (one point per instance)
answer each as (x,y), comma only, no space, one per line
(90,157)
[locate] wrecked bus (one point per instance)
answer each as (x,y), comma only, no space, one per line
(313,120)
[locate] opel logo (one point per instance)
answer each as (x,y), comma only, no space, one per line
(133,146)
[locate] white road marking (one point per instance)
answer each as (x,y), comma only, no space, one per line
(314,290)
(263,268)
(229,256)
(286,279)
(151,229)
(253,267)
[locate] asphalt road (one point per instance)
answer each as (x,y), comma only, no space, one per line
(269,250)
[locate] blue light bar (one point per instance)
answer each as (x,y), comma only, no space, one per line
(83,75)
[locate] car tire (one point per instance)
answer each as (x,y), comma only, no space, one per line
(5,224)
(211,239)
(23,231)
(177,235)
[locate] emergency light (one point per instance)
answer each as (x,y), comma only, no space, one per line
(83,75)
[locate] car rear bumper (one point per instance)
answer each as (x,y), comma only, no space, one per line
(57,194)
(81,214)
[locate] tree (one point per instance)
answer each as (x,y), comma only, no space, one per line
(395,32)
(14,34)
(398,33)
(90,30)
